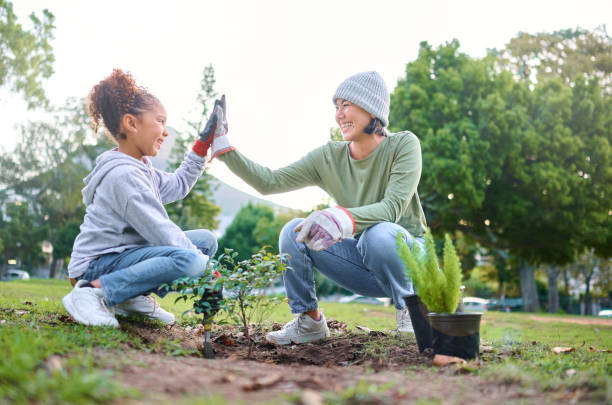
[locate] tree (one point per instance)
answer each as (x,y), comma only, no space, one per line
(267,231)
(582,59)
(595,273)
(46,169)
(22,234)
(196,210)
(26,56)
(568,53)
(503,158)
(240,234)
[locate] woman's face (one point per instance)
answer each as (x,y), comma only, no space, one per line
(352,120)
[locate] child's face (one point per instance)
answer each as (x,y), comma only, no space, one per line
(151,130)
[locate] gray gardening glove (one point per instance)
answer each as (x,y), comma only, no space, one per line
(323,228)
(218,135)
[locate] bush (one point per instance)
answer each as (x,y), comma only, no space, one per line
(244,282)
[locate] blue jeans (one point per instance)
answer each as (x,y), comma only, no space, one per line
(369,266)
(143,270)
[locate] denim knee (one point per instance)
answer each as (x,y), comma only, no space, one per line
(192,264)
(286,240)
(204,240)
(379,244)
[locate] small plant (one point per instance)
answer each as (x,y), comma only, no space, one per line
(244,282)
(438,288)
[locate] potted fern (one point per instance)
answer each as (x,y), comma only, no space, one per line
(439,288)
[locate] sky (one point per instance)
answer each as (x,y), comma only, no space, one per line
(278,62)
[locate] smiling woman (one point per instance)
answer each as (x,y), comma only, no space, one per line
(373,175)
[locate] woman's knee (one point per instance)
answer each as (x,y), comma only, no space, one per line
(379,242)
(286,240)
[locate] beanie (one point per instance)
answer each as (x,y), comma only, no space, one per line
(368,91)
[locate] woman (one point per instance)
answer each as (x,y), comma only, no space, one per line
(373,176)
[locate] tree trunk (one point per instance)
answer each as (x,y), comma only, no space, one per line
(500,288)
(553,289)
(53,267)
(528,288)
(588,307)
(566,287)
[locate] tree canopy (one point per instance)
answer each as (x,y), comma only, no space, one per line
(26,55)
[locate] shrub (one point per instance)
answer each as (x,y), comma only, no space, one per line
(244,281)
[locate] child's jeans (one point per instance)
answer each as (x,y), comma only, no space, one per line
(143,270)
(369,266)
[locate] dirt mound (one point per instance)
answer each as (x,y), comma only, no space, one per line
(342,348)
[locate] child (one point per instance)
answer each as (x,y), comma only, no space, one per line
(128,247)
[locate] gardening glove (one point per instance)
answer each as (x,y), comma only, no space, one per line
(323,228)
(216,135)
(206,136)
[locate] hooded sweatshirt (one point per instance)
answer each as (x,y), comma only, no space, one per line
(124,200)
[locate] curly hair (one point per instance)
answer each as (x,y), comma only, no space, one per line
(115,96)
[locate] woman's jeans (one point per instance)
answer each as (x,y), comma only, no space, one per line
(369,266)
(143,270)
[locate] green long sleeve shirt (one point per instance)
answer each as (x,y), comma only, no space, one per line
(382,187)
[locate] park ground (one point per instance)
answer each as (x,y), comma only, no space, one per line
(46,358)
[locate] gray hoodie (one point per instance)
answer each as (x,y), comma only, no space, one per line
(124,200)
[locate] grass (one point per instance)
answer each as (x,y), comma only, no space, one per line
(46,360)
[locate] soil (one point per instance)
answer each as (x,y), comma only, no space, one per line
(308,373)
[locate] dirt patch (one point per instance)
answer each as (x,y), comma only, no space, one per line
(366,367)
(580,321)
(371,348)
(166,379)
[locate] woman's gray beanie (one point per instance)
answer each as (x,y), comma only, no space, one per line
(368,91)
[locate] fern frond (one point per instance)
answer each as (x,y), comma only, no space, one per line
(452,272)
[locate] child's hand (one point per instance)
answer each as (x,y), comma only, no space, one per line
(214,132)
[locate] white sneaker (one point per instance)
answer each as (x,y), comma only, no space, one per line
(301,329)
(144,305)
(86,305)
(404,324)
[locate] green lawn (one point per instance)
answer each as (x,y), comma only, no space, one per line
(32,332)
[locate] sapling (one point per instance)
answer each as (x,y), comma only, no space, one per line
(245,283)
(438,288)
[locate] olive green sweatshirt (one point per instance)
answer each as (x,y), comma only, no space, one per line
(382,187)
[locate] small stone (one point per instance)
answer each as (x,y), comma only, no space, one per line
(560,350)
(441,360)
(54,363)
(570,372)
(310,397)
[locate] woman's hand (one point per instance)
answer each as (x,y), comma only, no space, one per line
(323,228)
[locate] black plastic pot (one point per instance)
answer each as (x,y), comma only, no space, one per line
(418,315)
(456,334)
